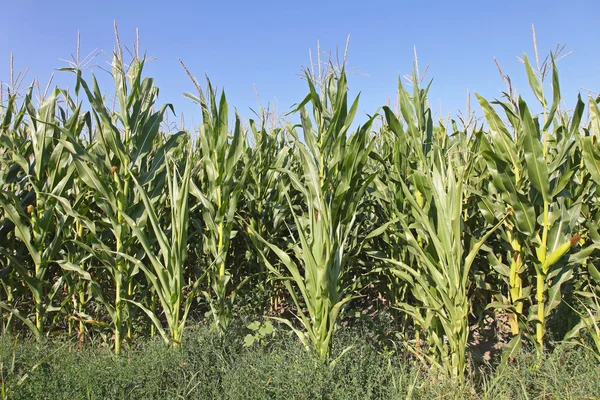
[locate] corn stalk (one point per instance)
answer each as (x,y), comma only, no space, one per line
(217,185)
(127,148)
(264,199)
(38,171)
(532,171)
(166,273)
(333,185)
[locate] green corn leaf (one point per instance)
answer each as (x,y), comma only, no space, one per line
(499,134)
(555,95)
(534,157)
(534,82)
(595,118)
(591,157)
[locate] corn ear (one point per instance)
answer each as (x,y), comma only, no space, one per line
(559,252)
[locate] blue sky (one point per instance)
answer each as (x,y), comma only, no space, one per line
(265,43)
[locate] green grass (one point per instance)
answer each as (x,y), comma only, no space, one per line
(207,367)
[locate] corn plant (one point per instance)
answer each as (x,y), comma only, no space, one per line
(13,137)
(110,166)
(167,270)
(403,153)
(264,204)
(332,185)
(434,232)
(40,171)
(532,171)
(425,243)
(588,300)
(217,185)
(76,261)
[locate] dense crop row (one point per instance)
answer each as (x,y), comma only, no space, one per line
(111,224)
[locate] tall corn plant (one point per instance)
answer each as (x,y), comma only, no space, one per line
(166,271)
(217,185)
(439,279)
(264,206)
(534,173)
(11,180)
(37,171)
(127,147)
(425,243)
(403,151)
(589,295)
(332,184)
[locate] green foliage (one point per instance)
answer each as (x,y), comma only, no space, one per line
(205,368)
(115,227)
(217,185)
(536,174)
(333,184)
(261,332)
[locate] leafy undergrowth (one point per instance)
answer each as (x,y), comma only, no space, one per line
(209,367)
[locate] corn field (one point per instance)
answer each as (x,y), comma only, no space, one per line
(114,226)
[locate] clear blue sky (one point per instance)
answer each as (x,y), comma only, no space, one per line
(265,43)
